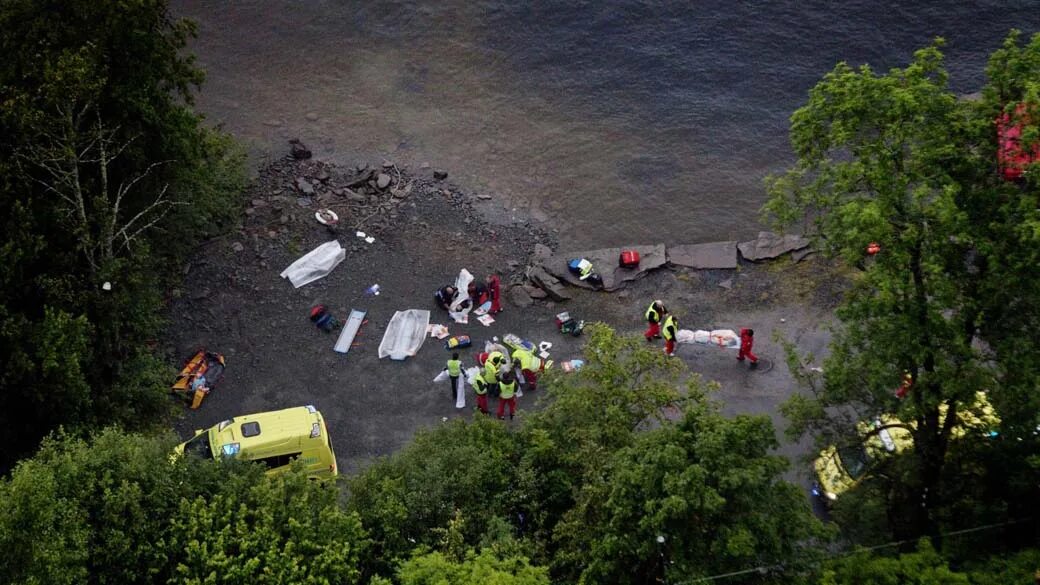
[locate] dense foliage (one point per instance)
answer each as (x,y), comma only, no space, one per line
(953,297)
(621,478)
(103,158)
(118,510)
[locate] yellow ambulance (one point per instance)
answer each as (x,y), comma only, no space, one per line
(275,439)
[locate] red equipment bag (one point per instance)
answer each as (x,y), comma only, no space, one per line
(629,259)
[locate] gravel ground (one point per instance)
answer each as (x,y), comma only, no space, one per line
(234,302)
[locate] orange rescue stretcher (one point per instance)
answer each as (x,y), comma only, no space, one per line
(199,375)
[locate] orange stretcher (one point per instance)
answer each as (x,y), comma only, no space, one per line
(198,377)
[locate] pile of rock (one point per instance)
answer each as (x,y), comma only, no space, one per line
(548,271)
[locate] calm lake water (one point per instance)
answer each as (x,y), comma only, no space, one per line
(617,122)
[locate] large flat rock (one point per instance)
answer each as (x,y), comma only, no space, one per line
(704,256)
(770,245)
(605,263)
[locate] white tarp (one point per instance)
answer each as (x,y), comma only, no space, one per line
(725,338)
(315,264)
(405,334)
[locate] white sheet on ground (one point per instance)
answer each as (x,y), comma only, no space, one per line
(315,264)
(460,398)
(405,334)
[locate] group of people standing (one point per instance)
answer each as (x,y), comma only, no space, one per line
(493,379)
(662,323)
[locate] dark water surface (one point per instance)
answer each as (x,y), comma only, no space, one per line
(618,122)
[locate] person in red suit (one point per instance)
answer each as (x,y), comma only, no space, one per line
(494,286)
(747,340)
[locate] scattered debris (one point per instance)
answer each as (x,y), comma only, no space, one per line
(440,175)
(727,284)
(605,262)
(236,246)
(326,216)
(486,320)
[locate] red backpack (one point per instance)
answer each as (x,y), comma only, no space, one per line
(629,259)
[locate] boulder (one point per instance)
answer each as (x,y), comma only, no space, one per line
(704,256)
(770,245)
(541,253)
(304,186)
(299,150)
(534,292)
(382,181)
(547,282)
(605,263)
(440,175)
(519,297)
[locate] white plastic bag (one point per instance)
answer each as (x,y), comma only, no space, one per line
(315,264)
(441,377)
(461,304)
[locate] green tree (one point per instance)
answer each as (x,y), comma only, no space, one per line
(898,159)
(923,567)
(460,470)
(103,158)
(117,509)
(288,529)
(620,452)
(437,569)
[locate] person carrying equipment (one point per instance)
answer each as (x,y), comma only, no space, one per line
(670,328)
(654,315)
(454,369)
(507,389)
(747,340)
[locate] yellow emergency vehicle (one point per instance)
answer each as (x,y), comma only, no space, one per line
(275,439)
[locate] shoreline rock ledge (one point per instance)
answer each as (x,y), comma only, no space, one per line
(770,245)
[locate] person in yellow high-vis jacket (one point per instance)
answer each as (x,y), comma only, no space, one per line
(507,395)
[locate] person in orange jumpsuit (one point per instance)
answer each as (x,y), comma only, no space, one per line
(747,340)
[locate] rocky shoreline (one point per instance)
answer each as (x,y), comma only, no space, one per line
(423,230)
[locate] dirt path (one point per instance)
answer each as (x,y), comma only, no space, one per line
(235,302)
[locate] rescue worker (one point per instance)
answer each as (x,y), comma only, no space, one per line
(527,362)
(494,286)
(481,390)
(669,329)
(492,369)
(654,315)
(747,340)
(507,395)
(454,369)
(445,296)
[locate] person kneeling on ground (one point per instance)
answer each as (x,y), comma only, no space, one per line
(526,360)
(445,296)
(507,395)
